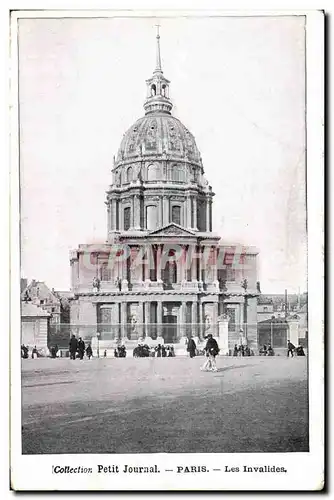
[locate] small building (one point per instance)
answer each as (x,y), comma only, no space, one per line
(38,293)
(265,308)
(34,326)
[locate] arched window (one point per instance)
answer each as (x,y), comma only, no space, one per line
(176,214)
(151,217)
(127,218)
(178,173)
(153,90)
(163,90)
(129,174)
(153,173)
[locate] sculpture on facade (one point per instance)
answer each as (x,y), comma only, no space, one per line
(96,284)
(133,326)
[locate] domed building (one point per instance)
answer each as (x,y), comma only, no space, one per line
(162,274)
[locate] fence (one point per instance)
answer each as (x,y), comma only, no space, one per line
(171,332)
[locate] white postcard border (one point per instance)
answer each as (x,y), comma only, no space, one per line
(304,470)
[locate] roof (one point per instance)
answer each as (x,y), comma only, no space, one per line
(262,300)
(31,310)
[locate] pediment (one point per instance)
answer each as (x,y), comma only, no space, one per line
(172,229)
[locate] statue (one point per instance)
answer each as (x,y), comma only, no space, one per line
(133,326)
(244,284)
(207,323)
(96,284)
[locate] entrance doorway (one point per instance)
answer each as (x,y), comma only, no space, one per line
(169,331)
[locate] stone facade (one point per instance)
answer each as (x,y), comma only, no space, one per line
(162,273)
(34,326)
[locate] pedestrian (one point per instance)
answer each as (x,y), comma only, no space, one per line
(291,348)
(163,351)
(270,351)
(34,353)
(81,348)
(300,351)
(191,347)
(105,353)
(247,351)
(211,350)
(235,350)
(89,352)
(73,346)
(159,351)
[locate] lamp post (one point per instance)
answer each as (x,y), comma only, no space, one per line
(244,285)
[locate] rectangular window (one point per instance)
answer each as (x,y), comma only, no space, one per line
(230,273)
(176,214)
(127,218)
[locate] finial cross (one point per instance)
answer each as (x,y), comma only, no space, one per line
(158,26)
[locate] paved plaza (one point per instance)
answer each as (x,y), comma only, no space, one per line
(150,405)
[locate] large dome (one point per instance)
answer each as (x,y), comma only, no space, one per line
(159,135)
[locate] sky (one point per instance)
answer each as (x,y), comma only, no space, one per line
(237,83)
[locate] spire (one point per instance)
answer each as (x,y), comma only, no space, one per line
(158,59)
(157,99)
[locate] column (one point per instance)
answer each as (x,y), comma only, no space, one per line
(200,265)
(194,318)
(121,215)
(109,217)
(182,319)
(188,212)
(158,264)
(161,212)
(159,318)
(215,319)
(146,265)
(140,320)
(207,219)
(147,306)
(210,219)
(124,269)
(136,211)
(200,320)
(124,320)
(215,281)
(114,215)
(165,211)
(193,264)
(195,213)
(183,265)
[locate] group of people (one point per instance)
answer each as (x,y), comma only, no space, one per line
(242,350)
(159,351)
(299,351)
(211,350)
(25,352)
(119,352)
(266,350)
(78,348)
